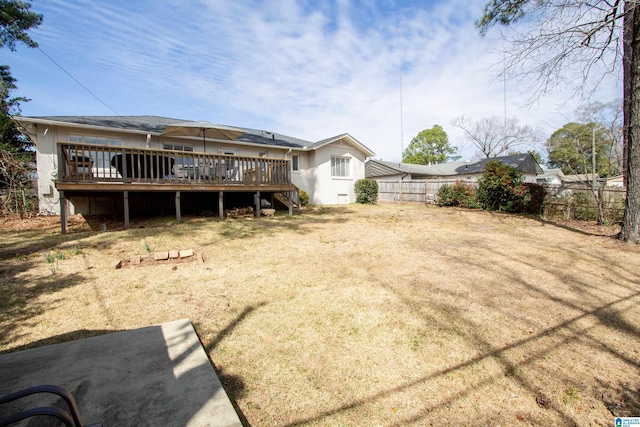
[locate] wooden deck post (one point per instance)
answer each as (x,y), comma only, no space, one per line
(178,213)
(258,200)
(63,213)
(221,204)
(291,195)
(126,209)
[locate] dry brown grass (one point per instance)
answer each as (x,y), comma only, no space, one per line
(361,315)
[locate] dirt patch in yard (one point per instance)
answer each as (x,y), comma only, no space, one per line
(360,315)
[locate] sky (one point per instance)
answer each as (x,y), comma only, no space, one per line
(381,71)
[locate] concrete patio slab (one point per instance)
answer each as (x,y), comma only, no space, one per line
(154,376)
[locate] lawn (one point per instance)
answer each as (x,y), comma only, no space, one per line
(358,315)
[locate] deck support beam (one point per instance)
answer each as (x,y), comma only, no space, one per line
(178,212)
(258,200)
(64,212)
(126,209)
(221,204)
(291,196)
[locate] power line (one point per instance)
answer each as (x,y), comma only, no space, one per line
(77,81)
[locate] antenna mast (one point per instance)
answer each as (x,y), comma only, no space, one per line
(401,101)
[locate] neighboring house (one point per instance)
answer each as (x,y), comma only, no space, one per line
(97,162)
(615,181)
(551,177)
(469,170)
(583,178)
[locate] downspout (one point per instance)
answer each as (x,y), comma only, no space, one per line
(148,141)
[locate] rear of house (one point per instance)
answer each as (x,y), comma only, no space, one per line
(93,182)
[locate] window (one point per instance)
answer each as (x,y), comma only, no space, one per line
(295,162)
(83,139)
(340,167)
(103,160)
(177,147)
(182,161)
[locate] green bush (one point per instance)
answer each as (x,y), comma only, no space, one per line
(584,206)
(366,190)
(304,198)
(529,198)
(497,187)
(459,194)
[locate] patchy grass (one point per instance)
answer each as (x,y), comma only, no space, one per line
(352,315)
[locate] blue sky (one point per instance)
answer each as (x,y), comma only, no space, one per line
(309,69)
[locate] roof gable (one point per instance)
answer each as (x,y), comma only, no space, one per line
(345,137)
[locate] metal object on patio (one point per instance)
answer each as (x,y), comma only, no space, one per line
(70,419)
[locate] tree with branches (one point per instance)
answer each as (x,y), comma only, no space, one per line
(16,163)
(494,136)
(430,146)
(587,39)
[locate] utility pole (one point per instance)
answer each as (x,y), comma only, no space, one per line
(593,156)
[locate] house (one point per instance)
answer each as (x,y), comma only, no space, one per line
(469,170)
(551,177)
(113,164)
(582,178)
(615,181)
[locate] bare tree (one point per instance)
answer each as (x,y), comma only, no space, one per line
(562,43)
(495,136)
(16,186)
(608,117)
(584,40)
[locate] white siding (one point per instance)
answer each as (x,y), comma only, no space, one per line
(336,190)
(314,175)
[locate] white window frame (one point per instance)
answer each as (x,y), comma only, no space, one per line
(93,139)
(102,162)
(295,163)
(177,147)
(340,167)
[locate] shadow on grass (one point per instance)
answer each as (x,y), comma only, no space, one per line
(564,226)
(234,385)
(20,302)
(58,339)
(599,303)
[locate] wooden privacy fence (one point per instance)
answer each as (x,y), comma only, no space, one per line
(419,190)
(577,200)
(571,200)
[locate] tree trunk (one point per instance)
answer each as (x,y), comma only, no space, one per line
(631,158)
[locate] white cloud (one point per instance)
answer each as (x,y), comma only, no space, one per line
(309,69)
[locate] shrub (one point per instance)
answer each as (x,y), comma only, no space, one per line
(304,198)
(459,194)
(496,187)
(529,198)
(366,190)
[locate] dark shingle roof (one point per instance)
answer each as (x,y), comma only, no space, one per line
(524,163)
(156,124)
(270,138)
(153,124)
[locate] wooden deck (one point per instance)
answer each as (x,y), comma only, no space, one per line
(91,168)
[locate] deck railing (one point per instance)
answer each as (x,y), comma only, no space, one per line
(100,163)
